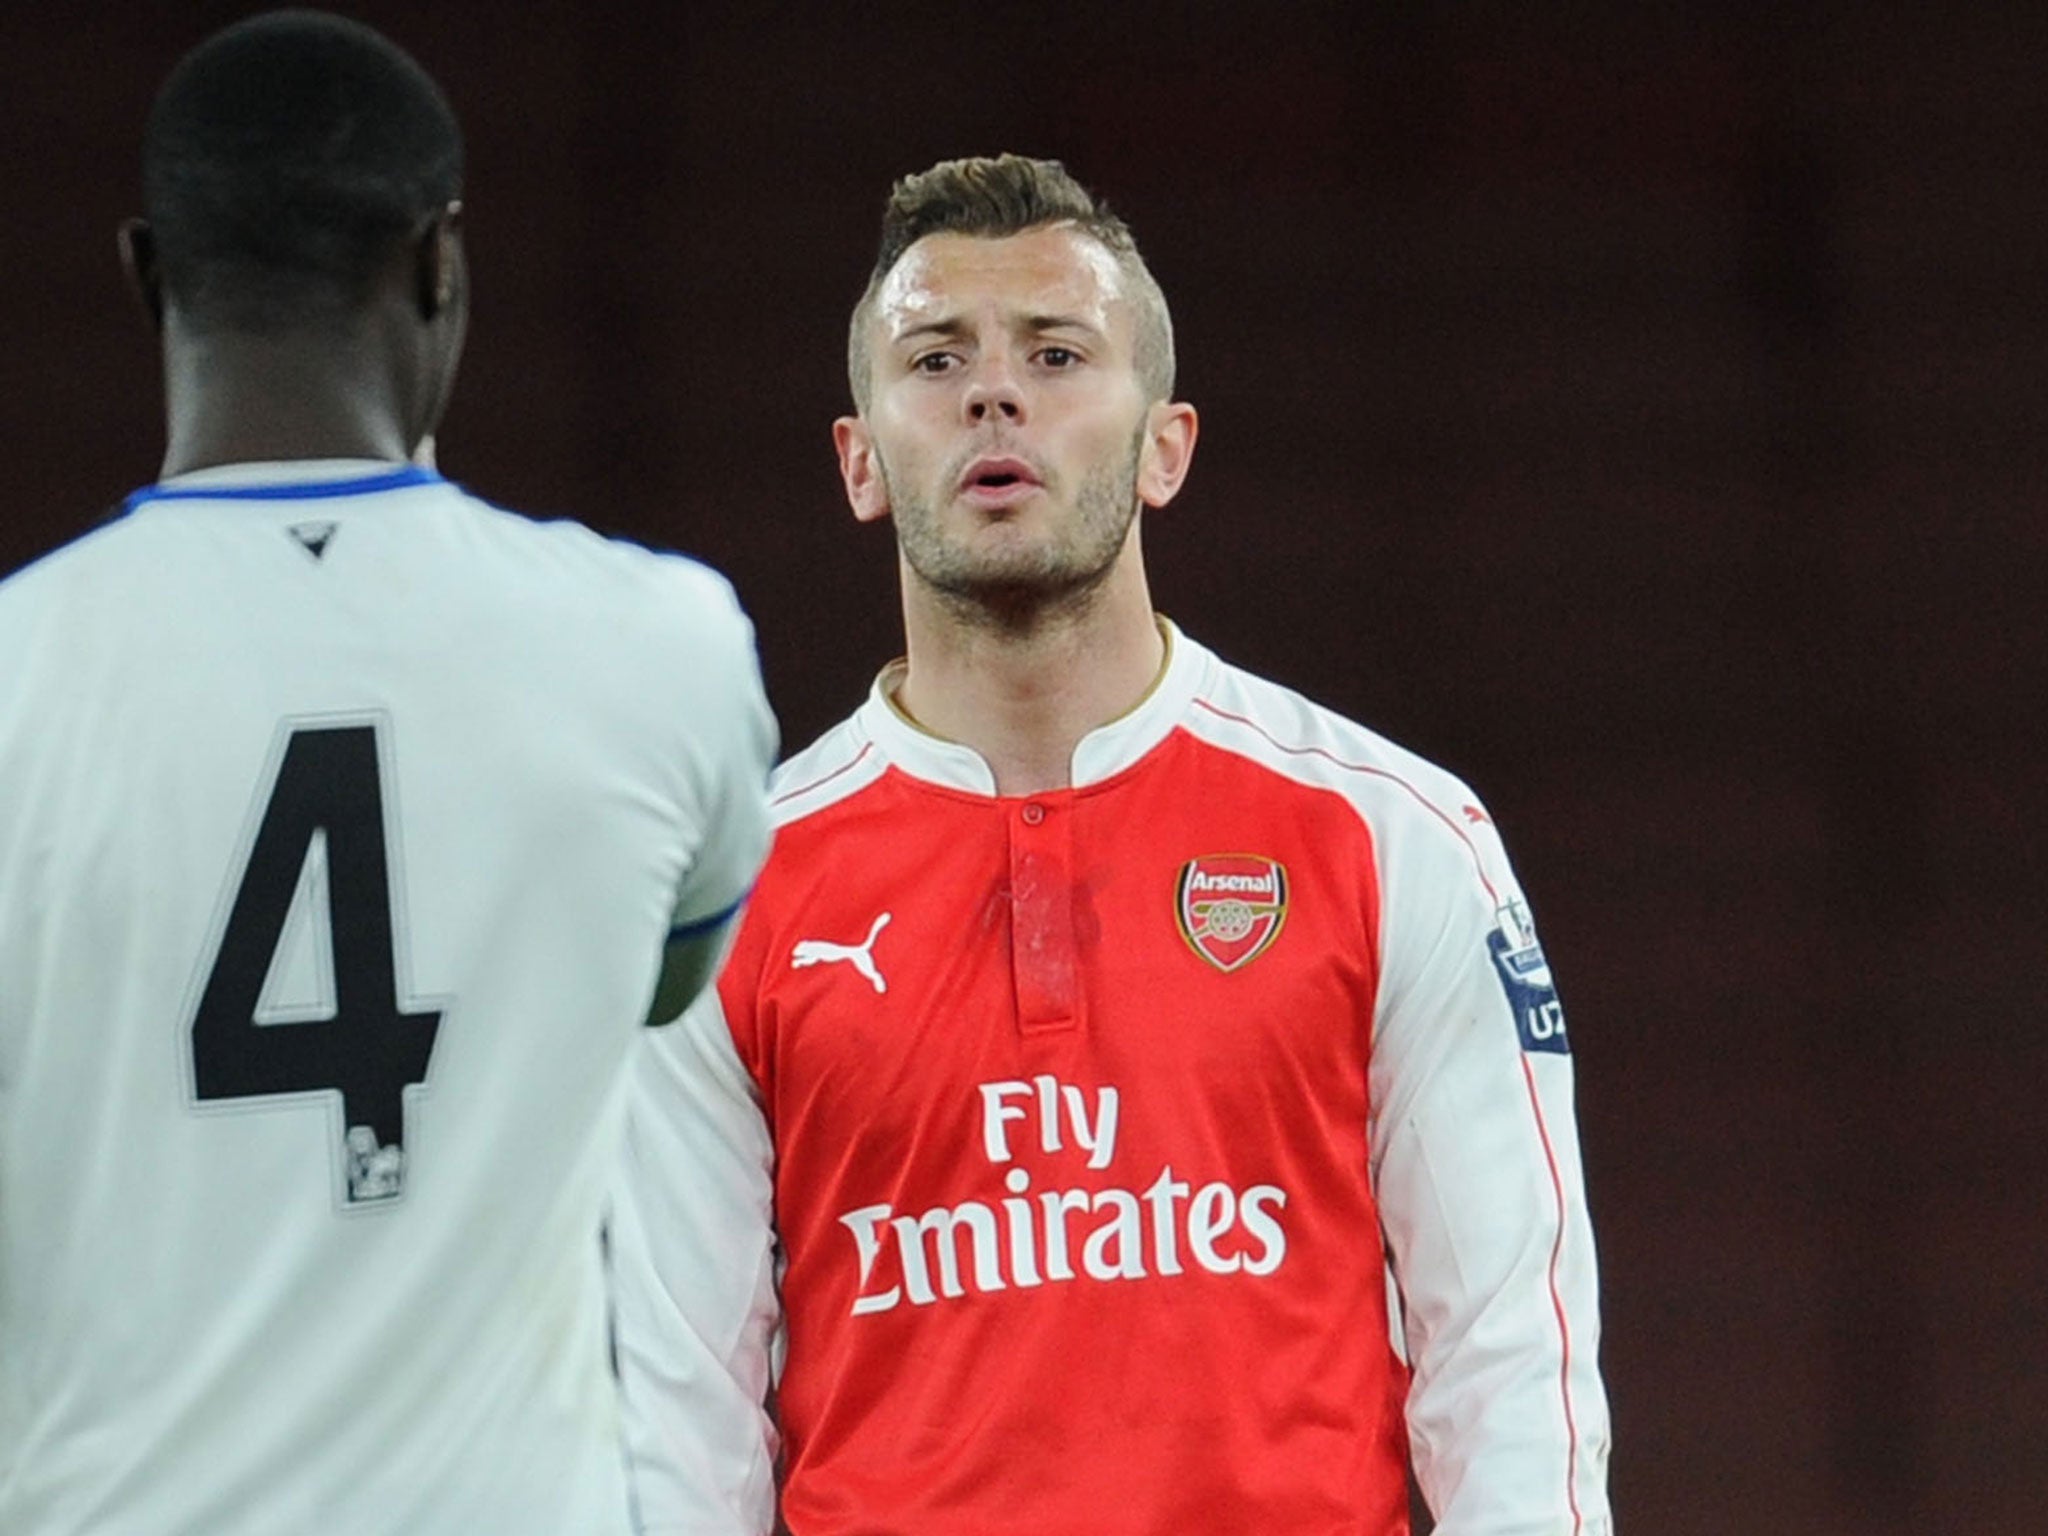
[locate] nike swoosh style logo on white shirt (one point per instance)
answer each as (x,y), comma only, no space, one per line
(860,956)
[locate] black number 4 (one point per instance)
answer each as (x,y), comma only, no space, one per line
(369,1050)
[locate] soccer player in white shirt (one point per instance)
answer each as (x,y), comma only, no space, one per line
(350,830)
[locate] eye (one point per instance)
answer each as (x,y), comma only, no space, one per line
(932,362)
(1058,357)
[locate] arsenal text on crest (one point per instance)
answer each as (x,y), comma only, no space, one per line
(1230,906)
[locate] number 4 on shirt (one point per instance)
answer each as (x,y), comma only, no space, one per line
(328,787)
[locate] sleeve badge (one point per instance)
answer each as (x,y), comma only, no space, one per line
(1525,974)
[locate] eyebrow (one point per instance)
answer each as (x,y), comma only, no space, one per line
(1061,323)
(951,326)
(955,325)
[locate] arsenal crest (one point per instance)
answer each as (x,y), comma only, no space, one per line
(1230,906)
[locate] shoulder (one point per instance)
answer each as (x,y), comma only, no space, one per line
(607,596)
(62,604)
(1297,738)
(671,581)
(110,538)
(830,772)
(1406,801)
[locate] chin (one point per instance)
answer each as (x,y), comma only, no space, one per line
(1019,584)
(1010,563)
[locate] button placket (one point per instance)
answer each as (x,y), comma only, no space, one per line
(1044,962)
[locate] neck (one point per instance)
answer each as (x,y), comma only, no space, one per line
(1023,690)
(233,399)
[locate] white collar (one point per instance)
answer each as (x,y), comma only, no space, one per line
(1105,751)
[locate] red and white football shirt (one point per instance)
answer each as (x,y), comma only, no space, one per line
(1093,1121)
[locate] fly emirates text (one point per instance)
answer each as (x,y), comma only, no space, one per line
(1033,1238)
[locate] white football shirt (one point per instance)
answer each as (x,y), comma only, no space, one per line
(343,817)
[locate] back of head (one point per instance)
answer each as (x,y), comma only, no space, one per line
(285,160)
(993,196)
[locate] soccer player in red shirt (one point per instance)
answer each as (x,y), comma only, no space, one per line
(1155,1079)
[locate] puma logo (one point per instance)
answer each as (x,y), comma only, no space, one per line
(860,956)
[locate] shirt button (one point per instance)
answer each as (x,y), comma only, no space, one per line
(1033,814)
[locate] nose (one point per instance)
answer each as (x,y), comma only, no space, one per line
(993,393)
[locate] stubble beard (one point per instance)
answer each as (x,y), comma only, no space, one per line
(1021,587)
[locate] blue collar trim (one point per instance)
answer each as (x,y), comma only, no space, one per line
(309,490)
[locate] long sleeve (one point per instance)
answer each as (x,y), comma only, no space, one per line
(693,1273)
(1476,1166)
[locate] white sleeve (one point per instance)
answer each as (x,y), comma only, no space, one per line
(729,761)
(694,1284)
(1475,1159)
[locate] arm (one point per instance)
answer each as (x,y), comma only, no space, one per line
(689,960)
(694,1284)
(691,1248)
(1476,1165)
(727,798)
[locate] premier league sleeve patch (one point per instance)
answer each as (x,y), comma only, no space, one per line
(1525,974)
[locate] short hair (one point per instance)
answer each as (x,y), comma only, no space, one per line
(999,195)
(284,160)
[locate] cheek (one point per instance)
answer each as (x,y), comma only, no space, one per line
(895,463)
(1111,437)
(913,449)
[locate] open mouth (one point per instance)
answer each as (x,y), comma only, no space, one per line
(998,478)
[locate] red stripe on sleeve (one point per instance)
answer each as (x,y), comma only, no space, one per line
(1365,768)
(846,767)
(1564,1332)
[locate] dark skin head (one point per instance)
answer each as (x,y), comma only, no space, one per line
(370,385)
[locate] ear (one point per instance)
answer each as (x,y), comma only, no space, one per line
(1169,448)
(860,469)
(437,263)
(138,259)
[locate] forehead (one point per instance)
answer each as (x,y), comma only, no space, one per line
(1052,271)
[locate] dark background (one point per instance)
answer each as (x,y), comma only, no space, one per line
(1642,417)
